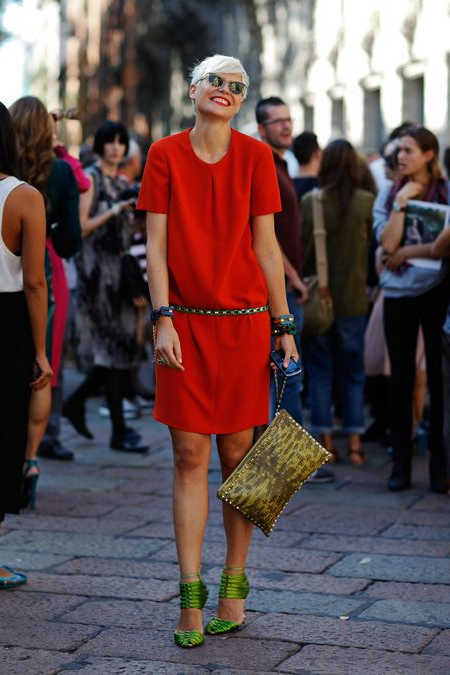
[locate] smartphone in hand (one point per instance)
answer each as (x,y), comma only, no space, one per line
(294,367)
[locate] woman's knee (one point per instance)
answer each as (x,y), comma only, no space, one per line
(189,458)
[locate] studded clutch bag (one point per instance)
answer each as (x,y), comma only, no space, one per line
(277,465)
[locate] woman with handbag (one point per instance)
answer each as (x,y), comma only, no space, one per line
(215,273)
(337,353)
(414,295)
(107,316)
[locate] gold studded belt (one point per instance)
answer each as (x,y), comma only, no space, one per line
(220,312)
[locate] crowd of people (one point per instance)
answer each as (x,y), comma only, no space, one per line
(272,230)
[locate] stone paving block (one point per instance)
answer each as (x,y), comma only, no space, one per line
(29,633)
(70,524)
(37,605)
(80,544)
(261,557)
(315,583)
(28,560)
(393,568)
(440,644)
(18,661)
(301,603)
(240,672)
(402,611)
(143,514)
(414,517)
(432,503)
(324,542)
(111,666)
(84,482)
(257,655)
(327,631)
(159,616)
(417,532)
(112,587)
(364,498)
(279,539)
(318,660)
(339,519)
(120,568)
(398,591)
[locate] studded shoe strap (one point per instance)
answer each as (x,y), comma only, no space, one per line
(234,586)
(193,595)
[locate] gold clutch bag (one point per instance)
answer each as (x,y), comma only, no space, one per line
(277,465)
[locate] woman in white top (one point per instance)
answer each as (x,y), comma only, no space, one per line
(23,313)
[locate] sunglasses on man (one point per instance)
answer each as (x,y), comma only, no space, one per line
(216,81)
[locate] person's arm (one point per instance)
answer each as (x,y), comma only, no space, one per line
(34,283)
(269,257)
(395,226)
(404,253)
(294,279)
(88,225)
(441,246)
(167,341)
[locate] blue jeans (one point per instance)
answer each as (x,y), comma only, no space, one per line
(337,356)
(294,385)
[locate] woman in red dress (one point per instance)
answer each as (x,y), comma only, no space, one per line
(210,193)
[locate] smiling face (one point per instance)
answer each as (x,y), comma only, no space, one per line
(410,158)
(216,101)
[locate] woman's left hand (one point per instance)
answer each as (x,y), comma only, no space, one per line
(287,344)
(397,259)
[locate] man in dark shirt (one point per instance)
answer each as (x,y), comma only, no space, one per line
(275,128)
(308,154)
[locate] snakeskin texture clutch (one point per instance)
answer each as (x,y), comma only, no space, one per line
(277,465)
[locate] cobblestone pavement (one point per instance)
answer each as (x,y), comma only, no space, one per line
(353,580)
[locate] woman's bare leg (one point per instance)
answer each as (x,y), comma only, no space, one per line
(190,509)
(39,412)
(238,530)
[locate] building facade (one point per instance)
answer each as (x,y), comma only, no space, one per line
(346,67)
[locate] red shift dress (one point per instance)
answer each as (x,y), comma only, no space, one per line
(225,385)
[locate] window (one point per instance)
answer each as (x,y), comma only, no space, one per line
(308,117)
(374,131)
(413,106)
(337,118)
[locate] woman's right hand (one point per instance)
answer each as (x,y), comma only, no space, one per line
(167,346)
(45,372)
(410,190)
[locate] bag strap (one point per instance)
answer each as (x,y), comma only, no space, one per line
(320,239)
(278,395)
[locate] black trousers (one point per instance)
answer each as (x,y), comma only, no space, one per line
(16,367)
(402,317)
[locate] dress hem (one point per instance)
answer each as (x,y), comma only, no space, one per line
(215,431)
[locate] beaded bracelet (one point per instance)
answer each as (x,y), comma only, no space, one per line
(284,324)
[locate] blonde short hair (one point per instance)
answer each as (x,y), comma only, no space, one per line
(218,63)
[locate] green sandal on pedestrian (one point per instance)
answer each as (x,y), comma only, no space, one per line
(193,595)
(232,587)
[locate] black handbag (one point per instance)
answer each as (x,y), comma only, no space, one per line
(132,282)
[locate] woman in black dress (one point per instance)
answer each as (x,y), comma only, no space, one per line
(23,313)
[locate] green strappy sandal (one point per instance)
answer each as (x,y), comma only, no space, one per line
(193,595)
(234,587)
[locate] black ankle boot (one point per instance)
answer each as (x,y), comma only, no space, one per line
(401,476)
(438,475)
(73,410)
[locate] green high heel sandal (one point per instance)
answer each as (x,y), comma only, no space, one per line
(193,595)
(234,587)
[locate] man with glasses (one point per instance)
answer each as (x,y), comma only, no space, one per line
(275,129)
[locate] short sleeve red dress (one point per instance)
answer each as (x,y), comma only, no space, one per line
(225,385)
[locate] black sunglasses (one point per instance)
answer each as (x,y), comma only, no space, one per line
(238,88)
